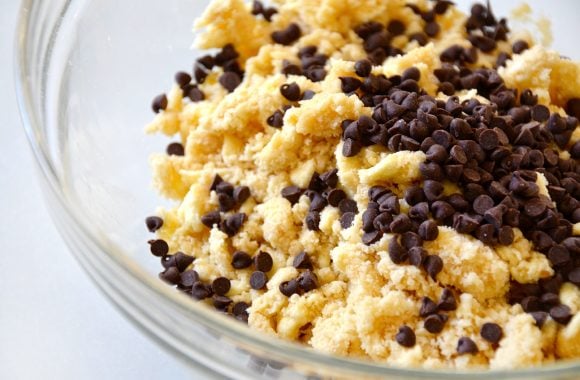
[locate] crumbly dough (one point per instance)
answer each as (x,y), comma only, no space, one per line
(363,296)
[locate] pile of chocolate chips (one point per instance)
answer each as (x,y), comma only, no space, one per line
(322,191)
(231,77)
(492,152)
(229,198)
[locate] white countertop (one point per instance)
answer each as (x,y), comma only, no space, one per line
(54,323)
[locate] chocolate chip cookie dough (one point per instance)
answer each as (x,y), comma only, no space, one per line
(391,180)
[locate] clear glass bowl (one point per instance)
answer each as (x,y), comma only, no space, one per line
(86,73)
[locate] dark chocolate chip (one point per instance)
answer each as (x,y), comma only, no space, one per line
(351,148)
(263,262)
(258,280)
(335,196)
(363,68)
(276,120)
(371,237)
(159,103)
(428,230)
(158,247)
(230,80)
(313,220)
(397,253)
(447,301)
(433,265)
(346,219)
(302,261)
(288,288)
(505,235)
(434,323)
(347,205)
(241,194)
(188,278)
(171,275)
(225,188)
(401,223)
(287,36)
(153,223)
(221,302)
(292,194)
(307,281)
(200,291)
(417,256)
(406,336)
(432,29)
(290,91)
(211,218)
(221,286)
(241,260)
(561,314)
(466,346)
(428,307)
(539,317)
(482,203)
(349,84)
(520,46)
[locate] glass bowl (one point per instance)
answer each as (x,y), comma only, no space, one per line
(86,73)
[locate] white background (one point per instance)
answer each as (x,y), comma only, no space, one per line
(54,323)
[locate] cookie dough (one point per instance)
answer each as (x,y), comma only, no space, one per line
(274,187)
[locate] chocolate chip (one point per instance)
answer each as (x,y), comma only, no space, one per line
(349,84)
(200,291)
(290,91)
(363,68)
(158,247)
(313,220)
(230,80)
(233,223)
(397,253)
(226,202)
(520,46)
(494,215)
(428,230)
(413,195)
(308,94)
(182,78)
(433,265)
(292,194)
(561,314)
(539,317)
(482,203)
(417,256)
(434,323)
(558,255)
(406,336)
(258,280)
(241,260)
(420,37)
(175,149)
(211,218)
(241,194)
(540,113)
(315,73)
(396,27)
(401,223)
(317,203)
(287,36)
(302,261)
(433,190)
(447,301)
(263,262)
(288,288)
(171,275)
(347,205)
(335,196)
(505,235)
(240,308)
(221,302)
(346,219)
(307,281)
(371,237)
(351,148)
(432,29)
(153,223)
(225,188)
(441,210)
(466,346)
(428,307)
(221,286)
(530,304)
(276,120)
(188,278)
(419,212)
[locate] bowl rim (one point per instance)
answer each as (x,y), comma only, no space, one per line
(234,330)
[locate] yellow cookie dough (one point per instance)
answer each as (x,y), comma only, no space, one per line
(363,297)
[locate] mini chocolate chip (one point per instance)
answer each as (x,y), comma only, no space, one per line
(308,94)
(226,202)
(221,302)
(434,323)
(539,317)
(182,261)
(419,212)
(520,46)
(411,73)
(417,256)
(561,314)
(396,27)
(363,68)
(258,280)
(315,73)
(287,36)
(441,210)
(420,37)
(233,223)
(368,218)
(432,29)
(574,276)
(290,91)
(433,190)
(411,239)
(313,220)
(428,307)
(540,113)
(371,237)
(489,139)
(482,203)
(558,255)
(263,262)
(302,261)
(397,253)
(307,281)
(413,195)
(428,230)
(335,196)
(158,247)
(349,84)
(200,291)
(530,303)
(346,219)
(182,78)
(225,188)
(292,194)
(211,218)
(447,301)
(188,278)
(221,286)
(230,80)
(505,235)
(494,215)
(159,103)
(464,223)
(153,223)
(549,299)
(433,265)
(347,205)
(437,153)
(276,120)
(288,288)
(382,222)
(241,194)
(351,148)
(171,275)
(330,177)
(401,223)
(466,346)
(406,336)
(241,260)
(175,149)
(318,203)
(240,308)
